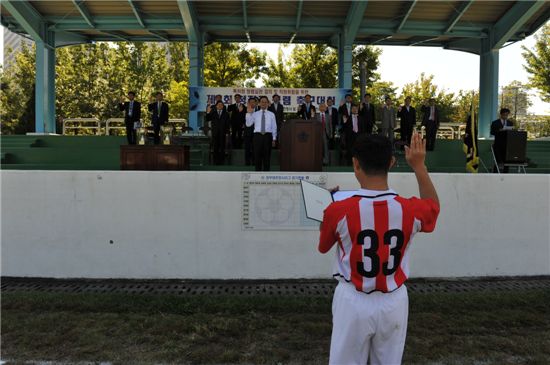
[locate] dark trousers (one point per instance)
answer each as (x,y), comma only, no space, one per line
(369,128)
(406,132)
(236,134)
(431,131)
(156,131)
(248,145)
(350,141)
(131,134)
(218,146)
(262,151)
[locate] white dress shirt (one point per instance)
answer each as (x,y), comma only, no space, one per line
(256,120)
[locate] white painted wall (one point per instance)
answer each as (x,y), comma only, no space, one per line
(188,225)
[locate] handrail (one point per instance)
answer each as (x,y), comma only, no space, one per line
(96,124)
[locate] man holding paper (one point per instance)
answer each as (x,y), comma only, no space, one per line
(372,232)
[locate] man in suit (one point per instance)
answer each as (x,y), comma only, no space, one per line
(497,126)
(238,115)
(345,108)
(277,108)
(430,121)
(502,122)
(219,126)
(249,136)
(159,110)
(387,116)
(407,115)
(326,124)
(366,110)
(352,126)
(307,109)
(132,115)
(333,117)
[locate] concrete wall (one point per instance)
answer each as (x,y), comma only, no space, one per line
(188,225)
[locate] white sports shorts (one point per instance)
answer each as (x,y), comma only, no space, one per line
(368,327)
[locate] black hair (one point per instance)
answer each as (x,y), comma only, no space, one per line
(131,93)
(275,95)
(239,95)
(408,97)
(158,93)
(218,95)
(347,96)
(504,110)
(369,95)
(307,96)
(218,102)
(387,97)
(264,97)
(374,153)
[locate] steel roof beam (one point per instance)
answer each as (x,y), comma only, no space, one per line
(190,20)
(354,19)
(137,13)
(84,12)
(406,16)
(27,17)
(511,22)
(458,14)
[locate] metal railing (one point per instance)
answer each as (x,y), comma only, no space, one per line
(82,123)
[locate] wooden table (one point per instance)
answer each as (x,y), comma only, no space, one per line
(154,158)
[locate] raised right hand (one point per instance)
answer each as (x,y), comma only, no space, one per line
(416,153)
(249,108)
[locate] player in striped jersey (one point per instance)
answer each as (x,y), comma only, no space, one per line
(373,231)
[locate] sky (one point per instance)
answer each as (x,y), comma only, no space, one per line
(452,70)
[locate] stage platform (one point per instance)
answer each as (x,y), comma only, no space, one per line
(103,153)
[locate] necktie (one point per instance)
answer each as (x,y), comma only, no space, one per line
(262,130)
(131,108)
(323,120)
(158,108)
(219,113)
(432,113)
(349,111)
(368,106)
(354,120)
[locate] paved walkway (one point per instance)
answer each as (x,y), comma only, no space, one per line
(260,287)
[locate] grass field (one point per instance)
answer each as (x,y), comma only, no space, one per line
(489,327)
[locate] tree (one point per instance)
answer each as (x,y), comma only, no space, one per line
(277,73)
(538,63)
(463,105)
(515,97)
(369,55)
(314,66)
(231,64)
(424,89)
(380,89)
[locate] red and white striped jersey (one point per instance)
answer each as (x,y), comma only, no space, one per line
(373,231)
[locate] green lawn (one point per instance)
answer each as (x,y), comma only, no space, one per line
(493,327)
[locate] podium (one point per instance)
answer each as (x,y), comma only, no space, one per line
(511,146)
(301,145)
(509,150)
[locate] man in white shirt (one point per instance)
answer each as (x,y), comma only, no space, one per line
(265,133)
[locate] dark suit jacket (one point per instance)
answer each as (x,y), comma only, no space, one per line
(159,118)
(136,111)
(496,126)
(237,118)
(426,110)
(408,117)
(361,125)
(368,114)
(343,111)
(335,119)
(220,123)
(302,111)
(279,113)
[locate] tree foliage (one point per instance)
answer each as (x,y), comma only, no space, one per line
(231,64)
(538,63)
(515,97)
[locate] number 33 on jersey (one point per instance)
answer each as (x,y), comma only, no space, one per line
(373,232)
